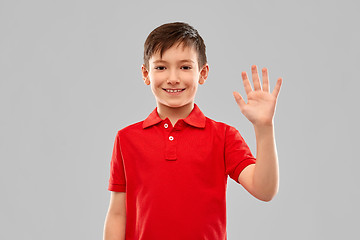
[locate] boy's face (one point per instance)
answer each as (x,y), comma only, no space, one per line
(174,78)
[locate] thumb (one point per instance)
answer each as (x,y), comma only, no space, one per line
(238,98)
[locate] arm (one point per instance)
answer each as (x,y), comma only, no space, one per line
(115,222)
(261,179)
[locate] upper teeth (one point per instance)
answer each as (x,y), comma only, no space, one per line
(169,90)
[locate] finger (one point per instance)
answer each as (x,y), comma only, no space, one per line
(265,77)
(240,101)
(246,83)
(277,88)
(255,78)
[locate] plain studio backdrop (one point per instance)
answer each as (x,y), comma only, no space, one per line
(70,79)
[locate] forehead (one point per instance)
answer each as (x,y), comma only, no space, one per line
(177,52)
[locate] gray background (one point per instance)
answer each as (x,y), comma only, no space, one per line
(70,78)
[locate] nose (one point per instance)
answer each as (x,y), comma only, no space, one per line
(173,78)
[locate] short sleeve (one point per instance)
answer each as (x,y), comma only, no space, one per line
(117,181)
(237,153)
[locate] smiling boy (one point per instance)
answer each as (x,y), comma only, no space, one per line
(169,172)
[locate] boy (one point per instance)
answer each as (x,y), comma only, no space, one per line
(169,172)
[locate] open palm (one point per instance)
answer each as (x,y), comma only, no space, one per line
(260,108)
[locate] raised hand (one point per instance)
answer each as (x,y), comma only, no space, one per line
(260,108)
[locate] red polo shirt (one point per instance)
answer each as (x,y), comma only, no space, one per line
(175,178)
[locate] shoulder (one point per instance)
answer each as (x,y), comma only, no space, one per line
(218,125)
(224,130)
(131,129)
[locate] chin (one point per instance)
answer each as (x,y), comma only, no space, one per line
(174,105)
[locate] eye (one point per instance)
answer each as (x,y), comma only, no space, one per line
(186,67)
(160,68)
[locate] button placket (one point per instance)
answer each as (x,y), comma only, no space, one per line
(170,152)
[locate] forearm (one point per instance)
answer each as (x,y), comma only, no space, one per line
(266,172)
(114,228)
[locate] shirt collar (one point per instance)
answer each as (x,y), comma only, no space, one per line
(196,118)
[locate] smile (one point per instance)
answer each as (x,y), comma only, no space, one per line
(174,90)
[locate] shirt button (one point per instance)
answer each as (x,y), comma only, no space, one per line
(166,125)
(171,138)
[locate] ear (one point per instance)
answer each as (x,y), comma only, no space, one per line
(145,75)
(204,73)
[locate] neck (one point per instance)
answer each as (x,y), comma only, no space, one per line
(174,113)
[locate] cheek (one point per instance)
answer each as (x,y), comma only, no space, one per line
(192,88)
(155,80)
(193,82)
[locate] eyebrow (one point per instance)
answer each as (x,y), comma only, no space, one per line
(181,61)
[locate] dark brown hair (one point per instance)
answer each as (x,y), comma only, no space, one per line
(165,36)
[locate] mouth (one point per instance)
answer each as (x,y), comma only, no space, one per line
(173,90)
